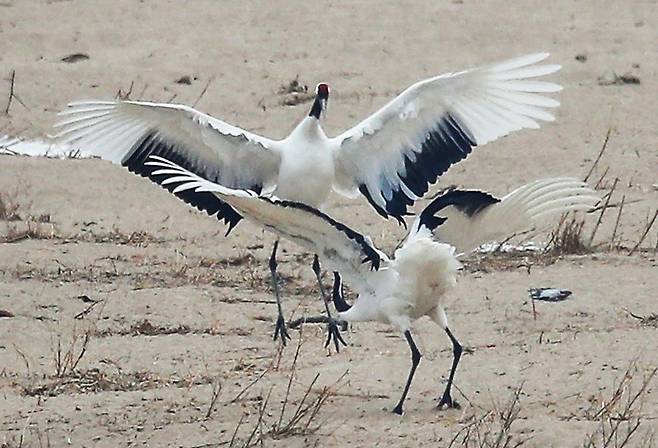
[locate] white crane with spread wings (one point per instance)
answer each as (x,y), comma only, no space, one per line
(391,157)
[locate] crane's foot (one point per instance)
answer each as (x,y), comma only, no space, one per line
(447,402)
(333,334)
(280,330)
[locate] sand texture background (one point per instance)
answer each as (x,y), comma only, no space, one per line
(183,312)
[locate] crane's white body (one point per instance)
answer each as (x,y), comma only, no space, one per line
(306,172)
(410,286)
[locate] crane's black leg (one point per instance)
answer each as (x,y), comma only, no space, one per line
(332,327)
(415,360)
(280,329)
(446,399)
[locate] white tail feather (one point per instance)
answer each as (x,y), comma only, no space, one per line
(524,208)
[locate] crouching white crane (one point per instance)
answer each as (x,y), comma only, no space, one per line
(412,284)
(391,157)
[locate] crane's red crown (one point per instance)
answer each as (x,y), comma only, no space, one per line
(322,90)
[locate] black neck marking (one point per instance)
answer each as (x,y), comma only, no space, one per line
(316,109)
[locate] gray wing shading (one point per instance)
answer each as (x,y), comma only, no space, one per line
(341,248)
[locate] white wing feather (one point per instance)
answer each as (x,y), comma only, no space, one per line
(113,130)
(434,123)
(340,248)
(531,205)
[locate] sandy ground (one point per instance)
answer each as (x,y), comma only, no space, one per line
(182,311)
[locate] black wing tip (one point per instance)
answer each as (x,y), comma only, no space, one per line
(431,221)
(447,143)
(231,222)
(399,218)
(468,202)
(206,202)
(373,258)
(365,192)
(396,207)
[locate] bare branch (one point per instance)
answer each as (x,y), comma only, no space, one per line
(598,157)
(645,233)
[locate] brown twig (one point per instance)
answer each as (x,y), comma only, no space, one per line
(645,233)
(603,148)
(25,360)
(82,352)
(216,390)
(621,416)
(243,391)
(125,96)
(87,310)
(292,376)
(203,92)
(258,425)
(493,428)
(599,182)
(235,432)
(614,231)
(11,91)
(605,206)
(615,205)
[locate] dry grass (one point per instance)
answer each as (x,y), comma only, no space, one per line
(620,417)
(9,208)
(21,223)
(302,421)
(294,92)
(650,320)
(493,429)
(142,272)
(38,228)
(508,261)
(67,357)
(216,391)
(98,380)
(290,419)
(146,328)
(567,237)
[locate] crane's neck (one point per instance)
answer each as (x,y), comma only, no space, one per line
(309,129)
(317,108)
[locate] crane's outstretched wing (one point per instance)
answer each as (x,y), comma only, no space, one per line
(395,154)
(128,132)
(7,141)
(469,218)
(341,248)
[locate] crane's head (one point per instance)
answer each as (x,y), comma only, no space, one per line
(321,98)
